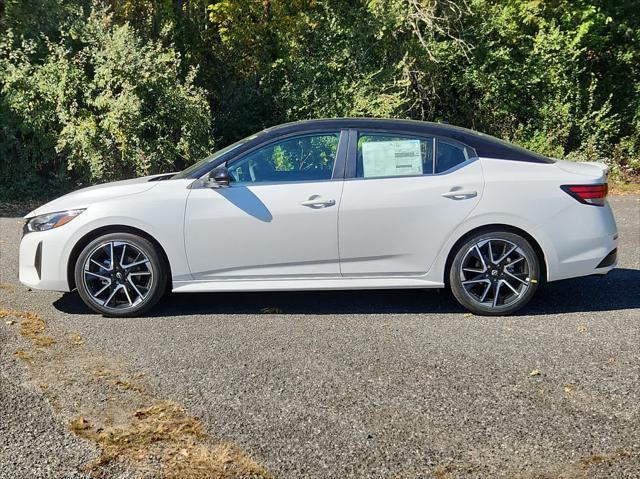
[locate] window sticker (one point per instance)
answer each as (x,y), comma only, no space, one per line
(391,158)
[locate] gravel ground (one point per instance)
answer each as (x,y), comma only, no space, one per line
(395,384)
(33,443)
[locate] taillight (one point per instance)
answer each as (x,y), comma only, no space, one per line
(588,194)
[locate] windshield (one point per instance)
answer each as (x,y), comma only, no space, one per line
(209,159)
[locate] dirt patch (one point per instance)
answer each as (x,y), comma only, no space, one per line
(9,288)
(116,411)
(31,327)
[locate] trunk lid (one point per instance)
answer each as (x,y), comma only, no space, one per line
(594,170)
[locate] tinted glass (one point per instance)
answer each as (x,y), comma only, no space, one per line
(383,156)
(209,159)
(302,158)
(449,156)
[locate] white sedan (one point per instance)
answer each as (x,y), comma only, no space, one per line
(331,204)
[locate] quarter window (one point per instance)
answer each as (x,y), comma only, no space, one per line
(384,155)
(449,156)
(302,158)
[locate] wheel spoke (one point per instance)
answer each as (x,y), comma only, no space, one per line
(506,283)
(111,257)
(100,265)
(137,263)
(484,264)
(106,278)
(135,288)
(140,273)
(113,293)
(496,293)
(504,256)
(476,281)
(486,291)
(516,261)
(473,270)
(490,251)
(124,248)
(515,277)
(126,292)
(95,295)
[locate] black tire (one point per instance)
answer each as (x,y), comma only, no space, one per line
(476,289)
(139,286)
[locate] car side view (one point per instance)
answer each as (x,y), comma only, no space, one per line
(331,204)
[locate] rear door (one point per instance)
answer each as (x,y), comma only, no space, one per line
(406,195)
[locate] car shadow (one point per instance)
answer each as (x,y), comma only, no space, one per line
(619,290)
(245,199)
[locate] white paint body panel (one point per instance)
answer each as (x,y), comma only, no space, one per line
(396,226)
(262,231)
(382,233)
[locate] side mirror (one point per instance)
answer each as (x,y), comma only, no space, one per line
(219,178)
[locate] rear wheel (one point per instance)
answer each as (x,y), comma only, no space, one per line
(494,273)
(120,274)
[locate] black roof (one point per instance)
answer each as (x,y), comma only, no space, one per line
(485,145)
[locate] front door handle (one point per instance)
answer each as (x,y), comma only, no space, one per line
(460,194)
(316,201)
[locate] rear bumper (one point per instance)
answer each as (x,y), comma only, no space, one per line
(585,242)
(40,260)
(610,260)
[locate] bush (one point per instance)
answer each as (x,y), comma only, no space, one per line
(101,104)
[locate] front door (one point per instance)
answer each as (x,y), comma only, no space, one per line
(278,219)
(408,195)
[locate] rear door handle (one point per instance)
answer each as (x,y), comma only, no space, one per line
(316,201)
(460,194)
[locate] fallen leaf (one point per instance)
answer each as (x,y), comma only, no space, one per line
(10,322)
(25,356)
(535,372)
(582,329)
(568,389)
(467,315)
(79,424)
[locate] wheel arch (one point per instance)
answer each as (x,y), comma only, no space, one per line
(497,227)
(93,234)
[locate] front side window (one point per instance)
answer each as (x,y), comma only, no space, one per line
(301,158)
(383,155)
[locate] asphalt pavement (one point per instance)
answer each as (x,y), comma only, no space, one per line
(380,384)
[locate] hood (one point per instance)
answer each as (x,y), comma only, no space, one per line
(106,191)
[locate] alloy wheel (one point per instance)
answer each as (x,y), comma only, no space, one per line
(495,272)
(118,275)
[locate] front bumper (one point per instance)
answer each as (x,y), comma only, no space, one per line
(41,259)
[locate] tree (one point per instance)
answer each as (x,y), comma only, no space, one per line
(101,104)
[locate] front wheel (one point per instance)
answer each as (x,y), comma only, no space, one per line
(120,274)
(494,273)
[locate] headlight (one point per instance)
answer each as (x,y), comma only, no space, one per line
(50,221)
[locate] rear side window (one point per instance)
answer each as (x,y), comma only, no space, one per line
(449,156)
(381,156)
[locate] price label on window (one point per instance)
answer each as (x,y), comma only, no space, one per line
(391,158)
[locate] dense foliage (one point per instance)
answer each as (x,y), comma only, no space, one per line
(93,90)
